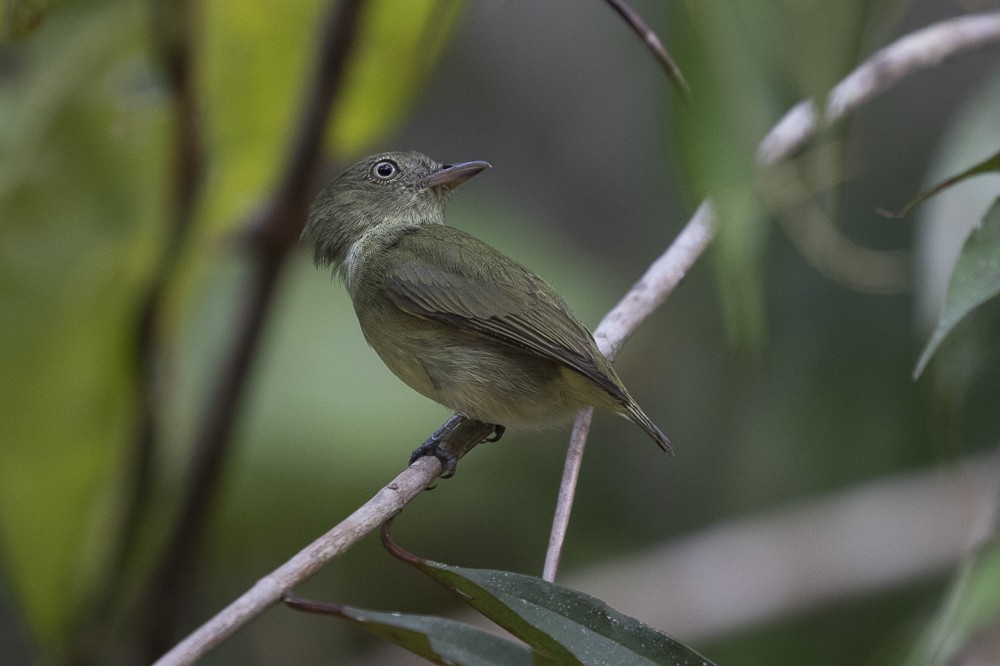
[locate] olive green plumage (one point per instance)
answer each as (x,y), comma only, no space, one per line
(452,317)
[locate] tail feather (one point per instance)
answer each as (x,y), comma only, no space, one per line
(635,414)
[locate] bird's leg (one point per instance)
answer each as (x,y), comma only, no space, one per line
(432,447)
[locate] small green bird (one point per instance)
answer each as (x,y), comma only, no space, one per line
(455,319)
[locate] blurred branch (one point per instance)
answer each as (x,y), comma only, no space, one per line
(270,236)
(611,335)
(817,237)
(268,591)
(174,32)
(851,544)
(806,555)
(924,48)
(651,40)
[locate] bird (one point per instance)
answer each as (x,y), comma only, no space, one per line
(452,317)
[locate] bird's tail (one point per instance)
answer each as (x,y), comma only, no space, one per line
(635,414)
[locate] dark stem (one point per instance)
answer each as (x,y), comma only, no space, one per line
(271,236)
(175,23)
(173,30)
(641,28)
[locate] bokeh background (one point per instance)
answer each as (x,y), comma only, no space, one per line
(778,382)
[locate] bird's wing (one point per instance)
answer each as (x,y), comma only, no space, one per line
(459,280)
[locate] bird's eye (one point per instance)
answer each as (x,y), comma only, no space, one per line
(384,170)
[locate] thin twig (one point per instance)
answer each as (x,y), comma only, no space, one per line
(273,235)
(651,40)
(612,333)
(918,50)
(922,49)
(267,592)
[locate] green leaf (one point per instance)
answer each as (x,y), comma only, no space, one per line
(973,604)
(400,42)
(254,66)
(562,624)
(975,280)
(436,639)
(987,165)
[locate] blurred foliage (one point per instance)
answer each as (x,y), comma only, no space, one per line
(19,17)
(561,98)
(81,187)
(971,612)
(83,183)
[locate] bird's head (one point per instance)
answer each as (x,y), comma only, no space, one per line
(397,188)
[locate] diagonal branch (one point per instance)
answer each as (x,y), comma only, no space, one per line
(267,592)
(918,50)
(922,49)
(652,41)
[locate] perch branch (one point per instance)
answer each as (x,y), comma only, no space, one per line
(267,592)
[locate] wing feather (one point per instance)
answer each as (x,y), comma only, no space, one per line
(460,280)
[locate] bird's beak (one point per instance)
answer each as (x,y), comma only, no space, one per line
(451,176)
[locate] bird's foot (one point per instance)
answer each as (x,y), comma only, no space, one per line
(432,447)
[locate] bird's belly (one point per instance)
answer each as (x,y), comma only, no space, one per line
(479,377)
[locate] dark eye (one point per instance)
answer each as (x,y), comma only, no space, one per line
(384,170)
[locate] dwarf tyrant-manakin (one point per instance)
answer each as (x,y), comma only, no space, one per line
(454,318)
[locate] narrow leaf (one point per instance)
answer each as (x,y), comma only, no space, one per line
(975,280)
(972,606)
(436,639)
(562,624)
(989,164)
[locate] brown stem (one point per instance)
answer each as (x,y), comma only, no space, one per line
(652,41)
(271,236)
(175,22)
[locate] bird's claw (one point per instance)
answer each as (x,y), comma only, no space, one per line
(433,448)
